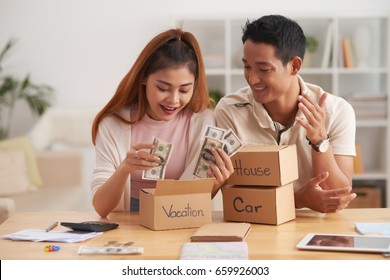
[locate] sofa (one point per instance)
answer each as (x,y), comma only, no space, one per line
(58,156)
(62,188)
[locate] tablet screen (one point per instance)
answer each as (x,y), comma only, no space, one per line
(349,241)
(346,242)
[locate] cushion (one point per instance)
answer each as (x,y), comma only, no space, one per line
(23,143)
(13,175)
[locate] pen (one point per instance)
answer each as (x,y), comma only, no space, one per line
(53,225)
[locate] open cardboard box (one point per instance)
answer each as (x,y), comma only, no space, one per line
(263,205)
(175,204)
(265,165)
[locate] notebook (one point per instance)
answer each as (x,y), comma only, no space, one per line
(223,232)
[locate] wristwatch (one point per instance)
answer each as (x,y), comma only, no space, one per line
(322,146)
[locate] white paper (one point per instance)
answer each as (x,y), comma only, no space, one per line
(214,251)
(84,250)
(373,228)
(39,235)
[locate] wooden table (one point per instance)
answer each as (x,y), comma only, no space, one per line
(265,242)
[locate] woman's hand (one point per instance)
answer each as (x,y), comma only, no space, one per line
(139,159)
(221,169)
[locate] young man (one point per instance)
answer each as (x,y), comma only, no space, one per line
(279,108)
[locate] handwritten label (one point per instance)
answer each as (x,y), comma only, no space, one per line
(239,206)
(240,170)
(186,212)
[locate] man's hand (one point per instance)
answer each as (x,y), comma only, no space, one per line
(325,201)
(315,117)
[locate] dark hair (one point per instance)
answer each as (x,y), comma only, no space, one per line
(283,33)
(170,49)
(173,53)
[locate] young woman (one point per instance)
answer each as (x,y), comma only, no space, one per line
(163,95)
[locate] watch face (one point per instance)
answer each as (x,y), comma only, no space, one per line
(324,146)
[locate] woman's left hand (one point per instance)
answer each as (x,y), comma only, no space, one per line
(221,169)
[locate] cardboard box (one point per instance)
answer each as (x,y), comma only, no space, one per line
(261,165)
(263,205)
(175,204)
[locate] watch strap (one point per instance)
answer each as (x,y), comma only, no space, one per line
(316,146)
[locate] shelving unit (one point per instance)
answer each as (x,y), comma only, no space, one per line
(220,40)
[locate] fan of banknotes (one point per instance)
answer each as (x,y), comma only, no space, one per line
(213,137)
(163,151)
(217,138)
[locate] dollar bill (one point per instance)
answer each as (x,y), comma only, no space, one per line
(214,132)
(84,250)
(163,151)
(232,143)
(206,156)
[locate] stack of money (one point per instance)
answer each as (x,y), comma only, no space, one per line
(217,138)
(163,151)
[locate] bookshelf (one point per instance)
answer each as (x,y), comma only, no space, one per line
(363,80)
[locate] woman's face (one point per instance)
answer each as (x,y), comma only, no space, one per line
(168,91)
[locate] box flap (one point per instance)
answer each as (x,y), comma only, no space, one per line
(174,187)
(290,157)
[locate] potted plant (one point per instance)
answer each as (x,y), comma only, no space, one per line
(311,44)
(12,89)
(216,95)
(311,47)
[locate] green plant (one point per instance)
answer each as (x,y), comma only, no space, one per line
(38,97)
(311,44)
(216,95)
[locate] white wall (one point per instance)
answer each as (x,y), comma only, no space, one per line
(84,47)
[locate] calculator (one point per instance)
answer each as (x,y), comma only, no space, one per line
(90,226)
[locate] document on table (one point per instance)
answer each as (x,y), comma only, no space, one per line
(39,235)
(214,251)
(373,228)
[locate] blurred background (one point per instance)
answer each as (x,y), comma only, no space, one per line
(83,48)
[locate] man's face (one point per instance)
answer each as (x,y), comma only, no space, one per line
(269,80)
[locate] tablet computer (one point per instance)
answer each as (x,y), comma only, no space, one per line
(345,242)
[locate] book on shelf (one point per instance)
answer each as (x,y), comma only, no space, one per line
(370,109)
(347,53)
(327,46)
(340,58)
(368,102)
(367,96)
(361,114)
(368,105)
